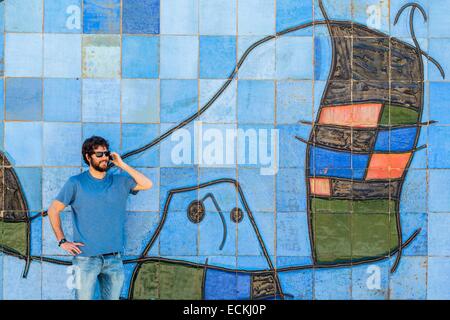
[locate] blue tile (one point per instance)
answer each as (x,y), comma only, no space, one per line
(172,178)
(211,232)
(438,278)
(256,101)
(2,99)
(179,235)
(139,227)
(336,10)
(179,149)
(23,16)
(298,284)
(438,13)
(438,240)
(101,56)
(409,281)
(217,17)
(59,93)
(56,281)
(213,150)
(53,180)
(322,57)
(217,56)
(146,200)
(440,51)
(140,101)
(140,16)
(414,192)
(372,13)
(62,16)
(438,193)
(248,243)
(2,54)
(179,17)
(101,100)
(370,281)
(257,146)
(140,57)
(101,16)
(30,180)
(178,99)
(35,235)
(260,63)
(291,13)
(324,162)
(294,58)
(332,284)
(256,17)
(438,147)
(23,99)
(410,223)
(62,55)
(24,151)
(292,152)
(292,234)
(401,29)
(23,55)
(438,102)
(2,29)
(291,191)
(179,57)
(396,140)
(294,101)
(223,110)
(109,131)
(220,285)
(260,198)
(15,287)
(135,136)
(65,137)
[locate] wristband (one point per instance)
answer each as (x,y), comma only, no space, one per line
(63,240)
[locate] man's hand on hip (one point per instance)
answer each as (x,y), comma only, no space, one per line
(72,247)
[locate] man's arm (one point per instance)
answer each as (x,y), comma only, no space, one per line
(54,216)
(143,183)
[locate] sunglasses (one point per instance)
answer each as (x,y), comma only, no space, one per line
(100,154)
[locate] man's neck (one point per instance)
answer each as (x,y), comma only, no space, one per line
(97,174)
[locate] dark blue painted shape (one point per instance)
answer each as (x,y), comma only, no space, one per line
(221,285)
(101,16)
(401,139)
(141,16)
(329,163)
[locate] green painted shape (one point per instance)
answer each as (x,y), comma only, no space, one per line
(162,280)
(14,236)
(393,115)
(346,230)
(355,206)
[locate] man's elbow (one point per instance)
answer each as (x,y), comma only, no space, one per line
(148,185)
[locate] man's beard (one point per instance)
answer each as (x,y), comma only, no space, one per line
(96,166)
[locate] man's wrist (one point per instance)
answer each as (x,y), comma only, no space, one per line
(60,242)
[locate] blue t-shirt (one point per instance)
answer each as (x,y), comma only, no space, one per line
(98,208)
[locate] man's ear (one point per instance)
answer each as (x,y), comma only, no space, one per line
(87,157)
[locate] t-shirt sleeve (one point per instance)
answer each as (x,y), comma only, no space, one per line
(130,184)
(67,194)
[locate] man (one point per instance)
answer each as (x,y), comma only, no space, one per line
(98,200)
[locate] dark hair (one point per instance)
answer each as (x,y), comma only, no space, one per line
(90,144)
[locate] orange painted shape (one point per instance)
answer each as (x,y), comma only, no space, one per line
(387,166)
(320,186)
(357,115)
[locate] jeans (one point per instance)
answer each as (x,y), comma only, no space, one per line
(107,269)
